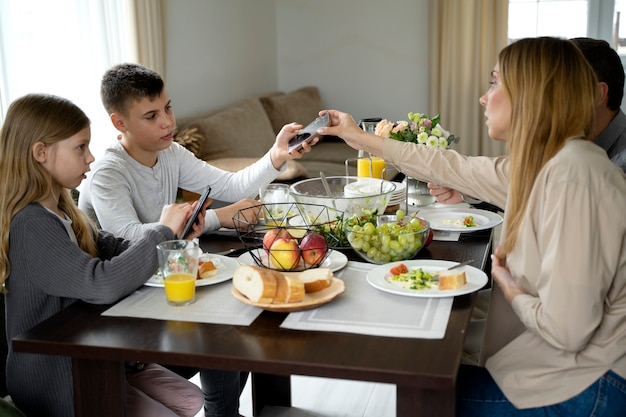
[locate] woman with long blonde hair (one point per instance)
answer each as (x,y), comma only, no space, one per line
(51,256)
(559,303)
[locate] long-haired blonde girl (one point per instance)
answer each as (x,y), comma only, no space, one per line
(37,118)
(51,256)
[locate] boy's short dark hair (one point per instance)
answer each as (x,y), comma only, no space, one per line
(125,83)
(607,65)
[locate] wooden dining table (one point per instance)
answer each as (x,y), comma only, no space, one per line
(423,370)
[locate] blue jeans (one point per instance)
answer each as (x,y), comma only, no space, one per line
(221,392)
(479,396)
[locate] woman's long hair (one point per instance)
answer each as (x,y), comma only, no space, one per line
(552,90)
(31,119)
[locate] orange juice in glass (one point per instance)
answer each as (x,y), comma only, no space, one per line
(178,260)
(371,166)
(180,289)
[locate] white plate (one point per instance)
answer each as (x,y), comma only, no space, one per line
(335,260)
(444,218)
(225,268)
(476,279)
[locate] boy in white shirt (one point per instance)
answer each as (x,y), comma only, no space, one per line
(142,172)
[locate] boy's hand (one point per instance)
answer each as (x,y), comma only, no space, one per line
(226,214)
(175,216)
(198,226)
(280,150)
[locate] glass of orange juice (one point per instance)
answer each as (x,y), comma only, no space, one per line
(369,165)
(178,260)
(372,166)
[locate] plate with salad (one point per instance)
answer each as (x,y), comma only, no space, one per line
(460,219)
(414,278)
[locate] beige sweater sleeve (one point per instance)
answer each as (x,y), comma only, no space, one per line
(482,177)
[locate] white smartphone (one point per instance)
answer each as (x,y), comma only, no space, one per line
(196,212)
(308,133)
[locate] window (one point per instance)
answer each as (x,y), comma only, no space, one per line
(530,18)
(63,47)
(602,19)
(620,27)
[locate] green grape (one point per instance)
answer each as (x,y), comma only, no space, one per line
(400,214)
(369,228)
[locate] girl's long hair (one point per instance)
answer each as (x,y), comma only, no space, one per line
(31,119)
(552,90)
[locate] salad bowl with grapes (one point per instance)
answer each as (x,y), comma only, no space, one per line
(387,238)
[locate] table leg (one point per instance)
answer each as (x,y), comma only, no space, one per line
(270,390)
(423,402)
(99,388)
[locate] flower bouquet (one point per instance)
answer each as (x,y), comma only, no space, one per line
(419,129)
(423,130)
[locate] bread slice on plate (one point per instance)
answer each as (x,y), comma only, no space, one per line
(289,289)
(316,279)
(257,284)
(452,279)
(207,269)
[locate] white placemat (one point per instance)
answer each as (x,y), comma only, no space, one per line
(214,304)
(363,309)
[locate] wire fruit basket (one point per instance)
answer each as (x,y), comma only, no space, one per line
(289,236)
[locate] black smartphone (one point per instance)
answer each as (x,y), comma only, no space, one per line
(196,211)
(308,133)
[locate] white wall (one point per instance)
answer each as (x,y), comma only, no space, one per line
(366,56)
(219,52)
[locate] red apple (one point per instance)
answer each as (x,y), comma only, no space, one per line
(273,235)
(314,248)
(284,254)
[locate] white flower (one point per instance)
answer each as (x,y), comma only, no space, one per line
(445,133)
(436,131)
(443,143)
(432,141)
(422,138)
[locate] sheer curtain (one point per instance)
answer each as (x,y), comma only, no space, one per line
(63,47)
(150,36)
(466,39)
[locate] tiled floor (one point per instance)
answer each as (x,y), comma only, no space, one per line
(323,397)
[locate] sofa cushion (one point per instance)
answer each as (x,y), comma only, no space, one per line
(294,168)
(301,105)
(240,130)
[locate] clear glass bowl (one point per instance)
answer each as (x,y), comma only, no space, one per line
(350,195)
(384,241)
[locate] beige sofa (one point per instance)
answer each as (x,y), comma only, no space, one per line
(234,137)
